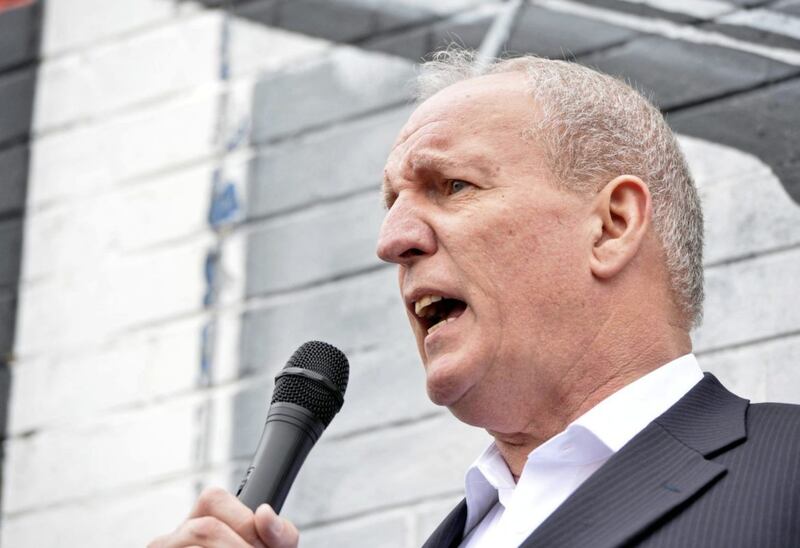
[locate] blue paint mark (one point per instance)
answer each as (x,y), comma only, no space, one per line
(210,270)
(224,203)
(239,135)
(205,353)
(670,487)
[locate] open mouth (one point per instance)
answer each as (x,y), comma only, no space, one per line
(434,311)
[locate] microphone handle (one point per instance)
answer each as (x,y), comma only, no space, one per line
(289,434)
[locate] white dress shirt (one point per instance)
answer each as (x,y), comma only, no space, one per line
(502,513)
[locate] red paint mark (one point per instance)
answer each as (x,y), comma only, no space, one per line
(9,4)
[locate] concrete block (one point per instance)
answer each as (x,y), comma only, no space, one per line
(16,103)
(387,530)
(736,189)
(540,31)
(353,81)
(129,520)
(102,457)
(765,371)
(14,167)
(746,3)
(466,30)
(353,314)
(255,49)
(556,35)
(758,35)
(8,316)
(337,21)
(396,15)
(413,44)
(395,467)
(428,515)
(115,75)
(783,375)
(96,229)
(19,35)
(750,300)
(679,11)
(5,392)
(344,159)
(263,12)
(791,7)
(440,9)
(682,73)
(134,369)
(314,245)
(91,158)
(67,25)
(764,123)
(87,306)
(10,248)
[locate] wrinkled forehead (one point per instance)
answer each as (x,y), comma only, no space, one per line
(469,102)
(475,118)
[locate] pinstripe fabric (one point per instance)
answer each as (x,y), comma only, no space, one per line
(450,531)
(711,472)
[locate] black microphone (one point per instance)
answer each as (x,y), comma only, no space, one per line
(309,391)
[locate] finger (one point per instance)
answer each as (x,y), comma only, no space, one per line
(217,502)
(206,531)
(275,531)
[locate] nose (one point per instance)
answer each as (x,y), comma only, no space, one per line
(405,235)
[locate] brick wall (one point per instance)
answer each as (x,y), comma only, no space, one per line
(203,196)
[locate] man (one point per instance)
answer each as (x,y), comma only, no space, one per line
(548,238)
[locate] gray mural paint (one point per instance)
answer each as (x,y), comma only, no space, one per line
(680,75)
(19,42)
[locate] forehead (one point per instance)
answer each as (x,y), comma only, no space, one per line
(479,118)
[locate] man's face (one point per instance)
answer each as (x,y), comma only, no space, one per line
(475,220)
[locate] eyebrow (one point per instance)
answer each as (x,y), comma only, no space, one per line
(431,161)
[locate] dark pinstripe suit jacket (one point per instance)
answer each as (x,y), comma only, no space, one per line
(711,472)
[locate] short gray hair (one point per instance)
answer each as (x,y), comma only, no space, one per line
(593,127)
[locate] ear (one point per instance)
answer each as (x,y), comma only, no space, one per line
(622,213)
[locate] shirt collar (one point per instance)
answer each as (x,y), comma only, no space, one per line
(598,433)
(626,412)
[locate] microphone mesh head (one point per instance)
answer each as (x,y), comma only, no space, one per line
(321,358)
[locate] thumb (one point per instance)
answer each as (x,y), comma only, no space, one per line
(275,531)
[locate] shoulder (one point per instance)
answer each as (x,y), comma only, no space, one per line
(774,415)
(776,425)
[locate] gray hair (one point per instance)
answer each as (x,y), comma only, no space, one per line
(593,127)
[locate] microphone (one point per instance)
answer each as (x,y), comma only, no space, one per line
(309,391)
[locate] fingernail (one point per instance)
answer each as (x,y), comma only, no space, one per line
(277,526)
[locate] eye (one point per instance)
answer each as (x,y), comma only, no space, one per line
(456,185)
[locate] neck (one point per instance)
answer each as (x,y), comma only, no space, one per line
(593,378)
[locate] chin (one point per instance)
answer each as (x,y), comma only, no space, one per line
(458,398)
(444,384)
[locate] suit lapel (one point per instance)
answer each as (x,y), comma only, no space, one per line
(451,530)
(659,470)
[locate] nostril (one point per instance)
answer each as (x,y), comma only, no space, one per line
(413,252)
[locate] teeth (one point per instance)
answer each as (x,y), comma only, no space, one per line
(425,301)
(433,328)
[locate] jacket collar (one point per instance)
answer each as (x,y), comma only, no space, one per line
(451,531)
(659,469)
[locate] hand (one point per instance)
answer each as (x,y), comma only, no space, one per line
(219,519)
